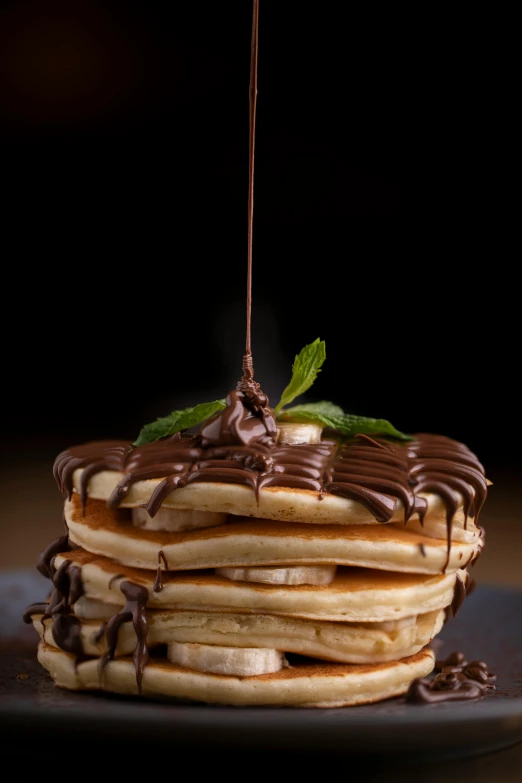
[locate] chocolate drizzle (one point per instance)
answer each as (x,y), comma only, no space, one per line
(247,418)
(463,587)
(100,633)
(113,579)
(158,586)
(457,680)
(68,587)
(135,610)
(45,564)
(433,461)
(360,470)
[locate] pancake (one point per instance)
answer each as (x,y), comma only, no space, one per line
(304,684)
(288,504)
(355,595)
(249,542)
(340,642)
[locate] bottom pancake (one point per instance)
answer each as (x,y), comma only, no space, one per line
(306,684)
(363,643)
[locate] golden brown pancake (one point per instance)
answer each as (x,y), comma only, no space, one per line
(287,504)
(355,595)
(248,542)
(340,642)
(306,684)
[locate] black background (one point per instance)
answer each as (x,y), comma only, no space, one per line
(125,170)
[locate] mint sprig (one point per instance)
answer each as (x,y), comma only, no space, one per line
(306,367)
(332,416)
(177,421)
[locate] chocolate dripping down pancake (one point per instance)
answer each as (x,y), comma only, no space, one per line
(386,480)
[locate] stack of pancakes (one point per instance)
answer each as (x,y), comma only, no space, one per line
(242,571)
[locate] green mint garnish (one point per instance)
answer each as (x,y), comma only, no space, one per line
(177,421)
(330,415)
(305,369)
(325,413)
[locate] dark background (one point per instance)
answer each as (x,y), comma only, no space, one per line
(125,172)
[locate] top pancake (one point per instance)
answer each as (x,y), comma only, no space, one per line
(360,482)
(287,504)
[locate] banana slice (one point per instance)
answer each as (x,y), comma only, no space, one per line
(176,520)
(236,661)
(293,575)
(293,434)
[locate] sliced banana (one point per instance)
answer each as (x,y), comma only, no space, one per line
(236,661)
(176,520)
(282,575)
(293,434)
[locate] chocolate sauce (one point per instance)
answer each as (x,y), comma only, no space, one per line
(113,579)
(158,586)
(358,470)
(456,658)
(422,550)
(458,680)
(45,564)
(135,610)
(68,587)
(248,369)
(100,633)
(463,586)
(432,471)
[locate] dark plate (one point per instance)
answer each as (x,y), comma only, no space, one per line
(489,627)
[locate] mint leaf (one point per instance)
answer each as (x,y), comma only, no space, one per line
(325,413)
(177,421)
(157,429)
(305,369)
(355,425)
(330,415)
